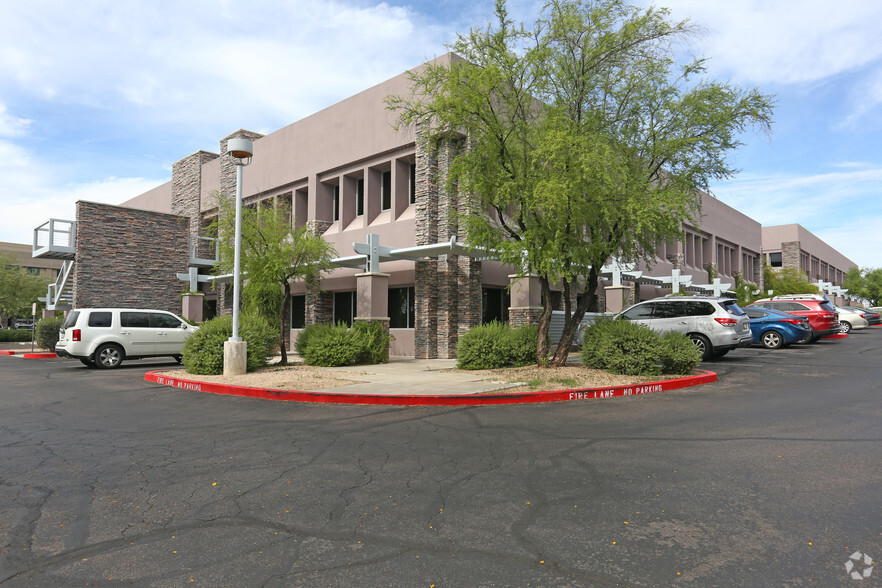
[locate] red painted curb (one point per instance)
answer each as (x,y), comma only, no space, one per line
(39,356)
(704,377)
(838,336)
(5,352)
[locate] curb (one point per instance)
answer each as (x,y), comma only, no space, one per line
(28,355)
(702,377)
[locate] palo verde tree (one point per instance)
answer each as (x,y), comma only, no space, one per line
(586,140)
(18,287)
(273,255)
(865,283)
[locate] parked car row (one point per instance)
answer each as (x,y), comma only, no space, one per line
(716,325)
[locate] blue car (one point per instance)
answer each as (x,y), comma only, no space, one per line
(774,329)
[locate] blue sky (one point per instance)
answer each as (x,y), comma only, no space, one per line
(99,98)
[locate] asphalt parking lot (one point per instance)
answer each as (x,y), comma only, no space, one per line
(769,477)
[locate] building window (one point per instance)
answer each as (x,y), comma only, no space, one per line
(775,260)
(401,308)
(412,183)
(359,197)
(494,305)
(344,308)
(336,202)
(298,312)
(386,187)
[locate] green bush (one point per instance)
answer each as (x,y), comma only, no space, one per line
(204,350)
(523,345)
(484,347)
(331,347)
(14,335)
(46,332)
(309,332)
(678,354)
(372,342)
(622,347)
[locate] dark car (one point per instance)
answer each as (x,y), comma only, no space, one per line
(816,308)
(774,329)
(873,318)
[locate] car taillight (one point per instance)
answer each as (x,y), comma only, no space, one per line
(76,334)
(727,322)
(792,321)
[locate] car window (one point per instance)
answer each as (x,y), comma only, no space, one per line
(100,319)
(699,308)
(796,307)
(71,319)
(828,306)
(755,313)
(135,319)
(732,307)
(164,321)
(668,309)
(641,311)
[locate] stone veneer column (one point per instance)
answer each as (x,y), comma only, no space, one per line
(526,300)
(790,255)
(187,188)
(227,167)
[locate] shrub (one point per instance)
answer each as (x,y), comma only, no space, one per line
(484,347)
(309,332)
(204,350)
(14,335)
(46,332)
(331,347)
(622,347)
(678,354)
(372,342)
(523,345)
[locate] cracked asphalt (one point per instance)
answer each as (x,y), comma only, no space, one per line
(769,477)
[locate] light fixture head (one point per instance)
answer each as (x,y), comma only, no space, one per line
(240,148)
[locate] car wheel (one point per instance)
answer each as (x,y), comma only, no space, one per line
(179,358)
(845,326)
(719,354)
(109,356)
(703,345)
(772,340)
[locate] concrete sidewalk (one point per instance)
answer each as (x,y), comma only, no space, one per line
(415,377)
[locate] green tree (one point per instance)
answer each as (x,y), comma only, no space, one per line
(865,283)
(585,140)
(273,255)
(18,287)
(787,281)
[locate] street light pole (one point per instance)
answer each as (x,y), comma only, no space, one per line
(235,349)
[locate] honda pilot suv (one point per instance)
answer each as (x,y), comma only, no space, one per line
(104,337)
(817,308)
(715,325)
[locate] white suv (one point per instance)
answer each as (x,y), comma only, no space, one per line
(104,337)
(715,325)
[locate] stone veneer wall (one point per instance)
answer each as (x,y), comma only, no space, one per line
(227,167)
(187,188)
(129,258)
(447,290)
(790,255)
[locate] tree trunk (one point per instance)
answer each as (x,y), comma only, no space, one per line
(571,324)
(544,323)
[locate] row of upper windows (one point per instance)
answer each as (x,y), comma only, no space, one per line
(386,192)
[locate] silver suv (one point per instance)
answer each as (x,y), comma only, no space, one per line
(104,337)
(715,325)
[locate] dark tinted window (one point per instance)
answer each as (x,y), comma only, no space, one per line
(828,306)
(665,310)
(731,307)
(699,308)
(344,307)
(100,319)
(71,319)
(298,312)
(639,312)
(755,313)
(494,305)
(164,321)
(135,319)
(401,308)
(795,307)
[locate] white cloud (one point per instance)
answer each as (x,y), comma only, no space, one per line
(12,126)
(786,41)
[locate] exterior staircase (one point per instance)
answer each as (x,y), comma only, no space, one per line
(56,239)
